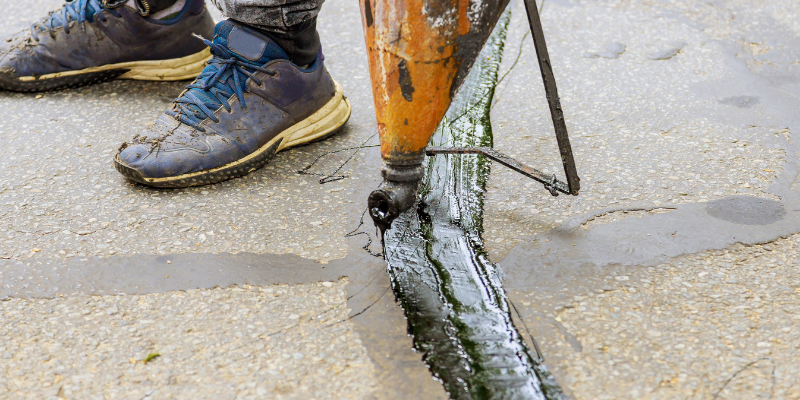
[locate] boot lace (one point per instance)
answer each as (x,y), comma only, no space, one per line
(74,10)
(223,76)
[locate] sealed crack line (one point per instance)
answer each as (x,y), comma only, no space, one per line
(452,294)
(750,364)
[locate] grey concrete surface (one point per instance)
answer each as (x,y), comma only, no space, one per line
(685,329)
(645,133)
(372,310)
(651,284)
(71,226)
(668,274)
(274,342)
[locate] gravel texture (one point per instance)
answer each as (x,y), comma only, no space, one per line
(644,132)
(62,204)
(698,103)
(685,329)
(278,342)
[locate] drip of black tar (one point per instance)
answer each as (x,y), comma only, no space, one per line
(452,295)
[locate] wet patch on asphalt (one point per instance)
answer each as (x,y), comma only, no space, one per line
(572,254)
(144,274)
(379,322)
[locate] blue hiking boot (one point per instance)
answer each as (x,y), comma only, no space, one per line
(249,103)
(88,41)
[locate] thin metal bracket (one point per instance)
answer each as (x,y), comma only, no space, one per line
(550,182)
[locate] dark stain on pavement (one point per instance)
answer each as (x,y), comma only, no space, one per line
(740,101)
(747,210)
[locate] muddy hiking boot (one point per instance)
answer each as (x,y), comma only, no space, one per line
(249,103)
(88,41)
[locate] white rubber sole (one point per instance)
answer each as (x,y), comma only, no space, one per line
(176,69)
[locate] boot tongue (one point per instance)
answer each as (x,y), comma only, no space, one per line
(246,44)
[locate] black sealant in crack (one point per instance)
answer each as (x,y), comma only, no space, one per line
(452,294)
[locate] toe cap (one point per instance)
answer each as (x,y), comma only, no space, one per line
(171,149)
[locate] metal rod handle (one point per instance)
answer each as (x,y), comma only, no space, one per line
(553,100)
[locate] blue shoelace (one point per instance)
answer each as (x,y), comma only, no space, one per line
(216,82)
(75,10)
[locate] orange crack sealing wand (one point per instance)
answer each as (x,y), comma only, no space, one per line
(420,52)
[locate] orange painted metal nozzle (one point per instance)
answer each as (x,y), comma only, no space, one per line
(419,52)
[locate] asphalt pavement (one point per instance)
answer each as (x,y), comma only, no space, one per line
(672,275)
(74,229)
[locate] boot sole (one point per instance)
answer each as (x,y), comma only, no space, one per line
(319,126)
(176,69)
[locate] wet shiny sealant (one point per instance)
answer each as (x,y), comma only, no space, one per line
(452,294)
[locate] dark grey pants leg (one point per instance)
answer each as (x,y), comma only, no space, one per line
(272,15)
(292,24)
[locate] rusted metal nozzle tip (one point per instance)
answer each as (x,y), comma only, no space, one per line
(390,200)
